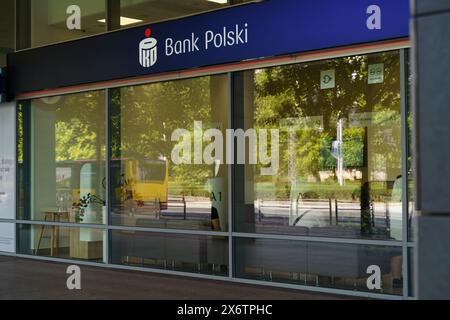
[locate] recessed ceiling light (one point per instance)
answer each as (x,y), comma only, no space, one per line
(219,1)
(124,21)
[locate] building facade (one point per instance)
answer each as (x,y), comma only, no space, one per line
(264,142)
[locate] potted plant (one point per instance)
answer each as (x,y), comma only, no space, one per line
(85,201)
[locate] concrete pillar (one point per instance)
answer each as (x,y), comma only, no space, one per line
(431,60)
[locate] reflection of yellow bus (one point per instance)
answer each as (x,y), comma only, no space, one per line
(148,179)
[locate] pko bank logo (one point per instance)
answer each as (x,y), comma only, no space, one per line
(148,50)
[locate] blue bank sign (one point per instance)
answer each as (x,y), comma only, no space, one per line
(194,43)
(253,31)
(273,28)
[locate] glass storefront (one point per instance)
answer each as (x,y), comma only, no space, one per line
(176,252)
(290,174)
(337,171)
(320,264)
(61,151)
(62,242)
(149,186)
(310,151)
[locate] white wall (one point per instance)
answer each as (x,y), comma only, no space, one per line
(7,176)
(7,161)
(7,237)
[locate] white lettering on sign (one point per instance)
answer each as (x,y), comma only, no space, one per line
(374,20)
(74,20)
(182,46)
(227,38)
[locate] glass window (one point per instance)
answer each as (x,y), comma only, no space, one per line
(62,242)
(61,153)
(160,176)
(7,34)
(177,252)
(135,12)
(337,266)
(328,136)
(53,21)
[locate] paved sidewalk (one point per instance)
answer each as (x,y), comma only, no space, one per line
(30,279)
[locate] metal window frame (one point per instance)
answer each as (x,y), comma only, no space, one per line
(405,244)
(405,180)
(230,184)
(107,175)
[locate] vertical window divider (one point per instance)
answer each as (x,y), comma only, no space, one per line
(405,191)
(16,174)
(230,169)
(107,237)
(112,15)
(22,14)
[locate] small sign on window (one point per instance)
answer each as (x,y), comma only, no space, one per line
(376,73)
(327,79)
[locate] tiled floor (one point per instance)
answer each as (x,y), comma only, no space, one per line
(30,279)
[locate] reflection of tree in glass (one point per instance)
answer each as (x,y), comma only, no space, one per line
(149,115)
(80,127)
(294,91)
